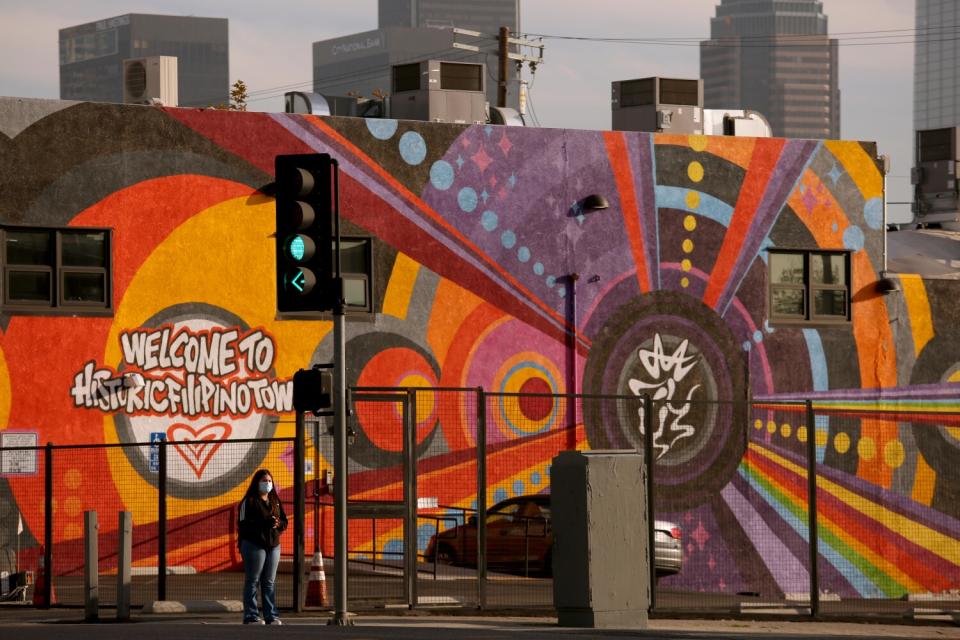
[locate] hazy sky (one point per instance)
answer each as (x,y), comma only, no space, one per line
(270,47)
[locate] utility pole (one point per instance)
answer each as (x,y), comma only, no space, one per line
(505,57)
(504,66)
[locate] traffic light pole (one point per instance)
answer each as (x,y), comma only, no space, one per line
(340,471)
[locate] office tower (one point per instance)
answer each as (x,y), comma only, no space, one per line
(775,57)
(410,31)
(936,80)
(92,55)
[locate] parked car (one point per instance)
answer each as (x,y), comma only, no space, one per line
(520,538)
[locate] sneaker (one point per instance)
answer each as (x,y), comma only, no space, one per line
(254,621)
(275,621)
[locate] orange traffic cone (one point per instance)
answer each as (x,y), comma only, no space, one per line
(39,584)
(317,585)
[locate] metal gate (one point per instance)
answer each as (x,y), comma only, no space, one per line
(381,501)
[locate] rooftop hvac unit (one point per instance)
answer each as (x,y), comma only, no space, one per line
(667,105)
(742,123)
(440,91)
(150,80)
(934,178)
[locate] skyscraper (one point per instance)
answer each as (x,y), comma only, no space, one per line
(411,31)
(775,57)
(92,55)
(936,80)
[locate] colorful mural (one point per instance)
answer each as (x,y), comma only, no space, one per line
(489,272)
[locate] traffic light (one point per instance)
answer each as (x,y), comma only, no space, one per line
(312,390)
(304,239)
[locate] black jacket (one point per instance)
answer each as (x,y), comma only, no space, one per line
(256,522)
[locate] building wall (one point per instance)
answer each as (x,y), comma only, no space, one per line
(774,57)
(92,55)
(936,90)
(477,233)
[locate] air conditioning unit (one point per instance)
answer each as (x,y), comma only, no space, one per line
(150,80)
(663,105)
(742,123)
(440,91)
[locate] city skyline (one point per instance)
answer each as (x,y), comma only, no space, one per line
(271,53)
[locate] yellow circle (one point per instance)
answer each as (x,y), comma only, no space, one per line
(894,454)
(684,282)
(686,265)
(821,438)
(690,223)
(841,442)
(758,424)
(695,171)
(72,506)
(693,199)
(785,430)
(867,448)
(72,531)
(802,434)
(687,246)
(72,478)
(771,427)
(698,142)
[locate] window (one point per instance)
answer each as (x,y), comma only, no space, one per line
(809,286)
(63,269)
(356,265)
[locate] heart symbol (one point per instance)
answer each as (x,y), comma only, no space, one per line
(196,446)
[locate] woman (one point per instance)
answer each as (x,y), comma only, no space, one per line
(262,520)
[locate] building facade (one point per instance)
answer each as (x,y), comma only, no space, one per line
(936,79)
(775,57)
(92,55)
(730,278)
(411,31)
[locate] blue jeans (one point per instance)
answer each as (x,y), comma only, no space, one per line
(259,566)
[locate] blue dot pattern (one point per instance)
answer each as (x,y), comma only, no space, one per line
(538,268)
(467,199)
(535,478)
(488,220)
(873,212)
(523,255)
(499,495)
(413,148)
(518,487)
(441,175)
(508,239)
(853,238)
(381,129)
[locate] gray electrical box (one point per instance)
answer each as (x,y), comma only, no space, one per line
(439,91)
(601,561)
(661,105)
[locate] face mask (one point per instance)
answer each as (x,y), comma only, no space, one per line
(266,486)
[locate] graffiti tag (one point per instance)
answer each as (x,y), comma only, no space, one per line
(665,373)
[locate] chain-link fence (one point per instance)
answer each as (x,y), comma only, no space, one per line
(805,506)
(184,537)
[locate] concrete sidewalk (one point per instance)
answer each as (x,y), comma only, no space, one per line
(68,623)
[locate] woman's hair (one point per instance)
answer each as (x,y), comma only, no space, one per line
(254,489)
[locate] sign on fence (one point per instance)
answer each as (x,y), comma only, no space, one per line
(21,463)
(155,438)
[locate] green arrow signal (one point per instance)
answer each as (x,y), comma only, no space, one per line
(298,281)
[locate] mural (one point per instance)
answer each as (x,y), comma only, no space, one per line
(490,273)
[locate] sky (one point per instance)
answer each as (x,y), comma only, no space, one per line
(270,47)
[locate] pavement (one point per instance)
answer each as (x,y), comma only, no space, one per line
(25,623)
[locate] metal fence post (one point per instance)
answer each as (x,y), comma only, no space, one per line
(124,549)
(410,496)
(481,498)
(651,511)
(91,567)
(162,523)
(299,511)
(812,508)
(48,524)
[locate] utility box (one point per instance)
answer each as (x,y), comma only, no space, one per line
(660,105)
(601,560)
(151,80)
(439,91)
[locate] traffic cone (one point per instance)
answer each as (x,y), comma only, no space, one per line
(317,585)
(40,583)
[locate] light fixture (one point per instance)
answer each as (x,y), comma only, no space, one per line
(886,285)
(595,202)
